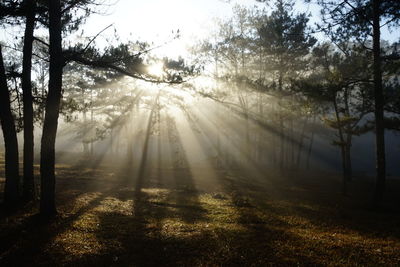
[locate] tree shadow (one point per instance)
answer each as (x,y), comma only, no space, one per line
(28,241)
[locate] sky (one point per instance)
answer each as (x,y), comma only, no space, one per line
(157,21)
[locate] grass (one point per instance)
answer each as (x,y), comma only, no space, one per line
(106,220)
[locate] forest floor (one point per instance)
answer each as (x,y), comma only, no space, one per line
(167,218)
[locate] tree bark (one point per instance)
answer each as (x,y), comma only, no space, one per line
(47,161)
(28,181)
(379,106)
(11,189)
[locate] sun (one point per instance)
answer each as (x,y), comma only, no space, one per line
(156,69)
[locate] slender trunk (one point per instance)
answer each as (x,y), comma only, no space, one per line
(275,138)
(292,143)
(261,64)
(248,147)
(112,142)
(85,134)
(219,153)
(159,147)
(29,184)
(342,148)
(47,160)
(92,128)
(379,105)
(129,143)
(11,189)
(43,87)
(347,130)
(300,146)
(216,77)
(145,151)
(282,143)
(281,124)
(310,146)
(259,142)
(349,169)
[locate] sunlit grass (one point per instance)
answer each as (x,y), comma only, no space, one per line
(239,220)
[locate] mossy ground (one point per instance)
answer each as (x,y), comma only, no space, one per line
(166,220)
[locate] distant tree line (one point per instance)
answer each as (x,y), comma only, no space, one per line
(278,76)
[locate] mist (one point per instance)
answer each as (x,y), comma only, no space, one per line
(226,133)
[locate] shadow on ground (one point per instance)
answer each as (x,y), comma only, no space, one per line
(159,217)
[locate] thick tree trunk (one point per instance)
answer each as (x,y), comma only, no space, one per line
(28,185)
(47,161)
(379,105)
(11,190)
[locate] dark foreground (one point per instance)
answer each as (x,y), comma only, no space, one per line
(170,218)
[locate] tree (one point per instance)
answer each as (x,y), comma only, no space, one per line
(28,181)
(11,190)
(13,12)
(362,21)
(118,59)
(337,83)
(286,41)
(47,151)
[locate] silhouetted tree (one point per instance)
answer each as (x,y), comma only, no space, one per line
(337,81)
(362,21)
(11,190)
(28,181)
(47,151)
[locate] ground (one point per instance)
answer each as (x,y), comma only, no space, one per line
(168,219)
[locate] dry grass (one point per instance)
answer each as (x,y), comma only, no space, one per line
(104,221)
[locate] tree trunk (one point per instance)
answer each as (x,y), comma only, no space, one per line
(300,144)
(379,105)
(47,160)
(310,146)
(11,189)
(281,123)
(292,143)
(349,169)
(92,127)
(29,184)
(342,148)
(247,129)
(85,141)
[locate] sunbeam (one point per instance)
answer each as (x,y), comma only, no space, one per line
(199,133)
